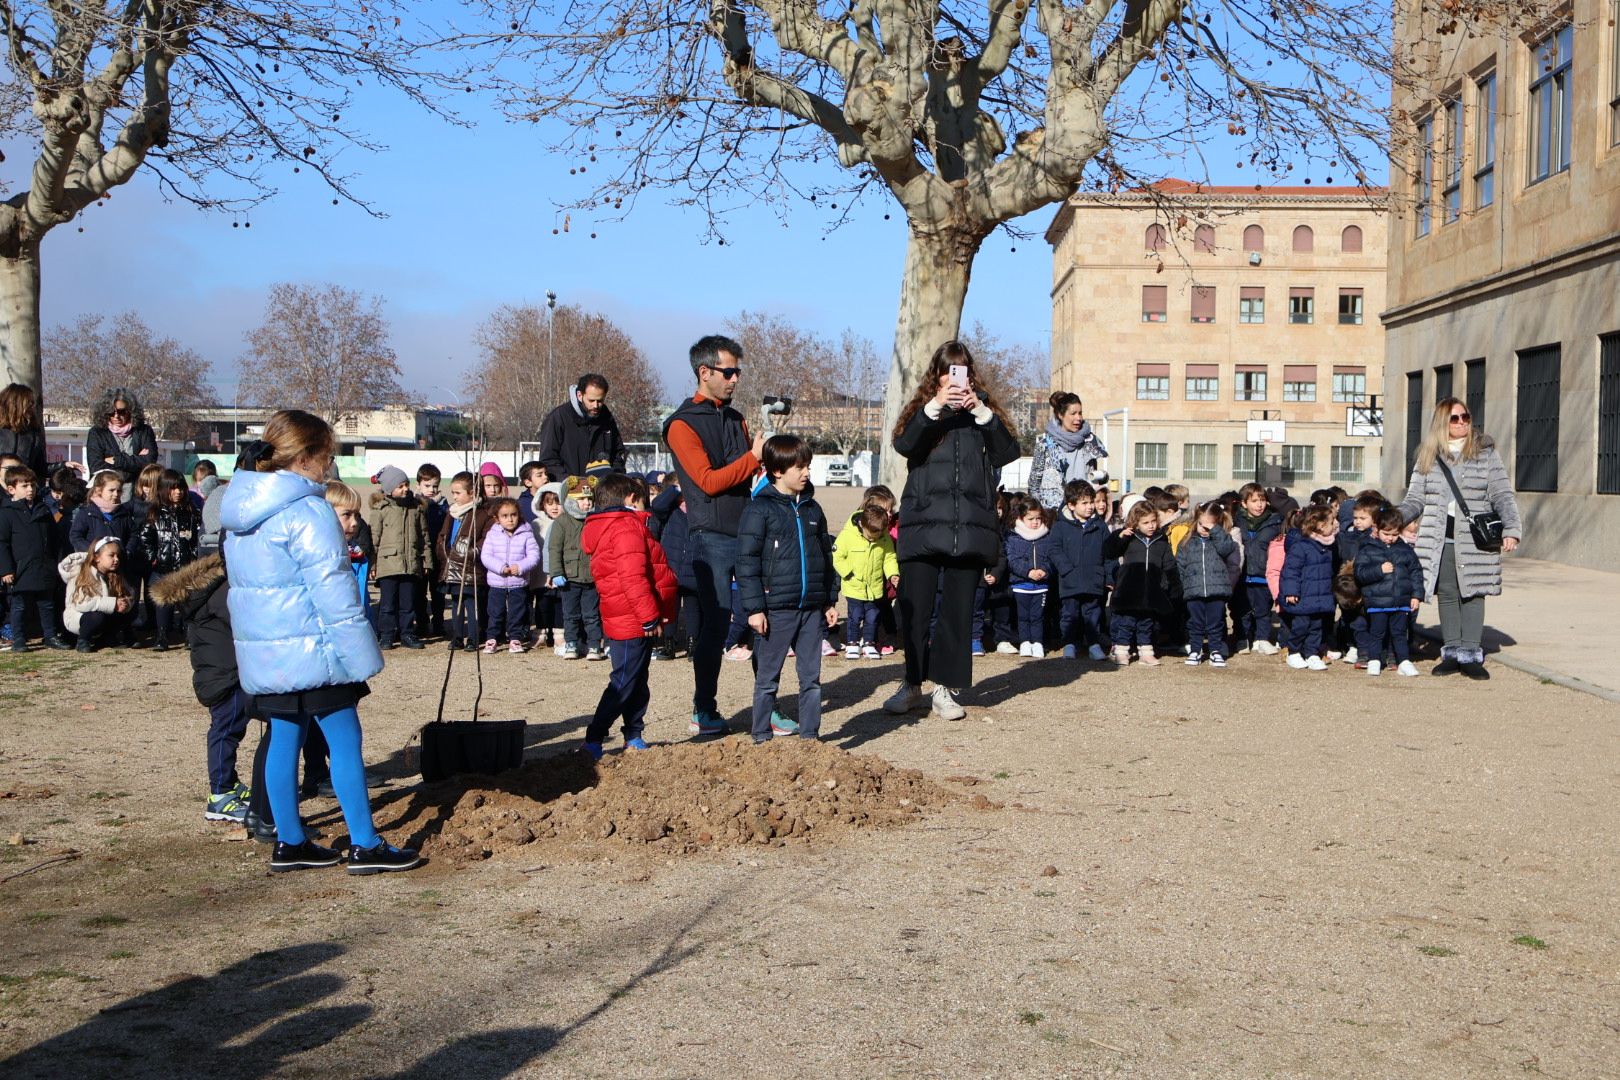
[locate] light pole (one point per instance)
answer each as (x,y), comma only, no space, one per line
(551,318)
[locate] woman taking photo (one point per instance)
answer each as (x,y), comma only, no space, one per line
(953,436)
(20,434)
(1067,450)
(1456,570)
(121,439)
(303,646)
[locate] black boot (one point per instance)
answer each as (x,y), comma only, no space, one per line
(1449,664)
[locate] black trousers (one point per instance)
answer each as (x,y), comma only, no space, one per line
(946,655)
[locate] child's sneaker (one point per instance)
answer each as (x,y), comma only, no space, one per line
(870,652)
(1037,650)
(1217,660)
(739,652)
(1194,658)
(596,654)
(1295,660)
(593,750)
(226,806)
(1407,668)
(1266,648)
(708,723)
(1024,649)
(783,725)
(1351,656)
(1375,668)
(514,646)
(381,858)
(1316,663)
(489,647)
(636,743)
(978,647)
(1070,652)
(1334,654)
(565,652)
(303,856)
(852,652)
(1097,654)
(1006,648)
(886,650)
(1122,655)
(828,648)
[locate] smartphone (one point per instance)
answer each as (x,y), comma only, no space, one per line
(959,376)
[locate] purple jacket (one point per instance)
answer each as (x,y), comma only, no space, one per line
(501,548)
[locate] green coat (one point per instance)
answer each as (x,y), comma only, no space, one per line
(566,555)
(399,532)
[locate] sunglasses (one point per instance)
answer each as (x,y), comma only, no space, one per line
(119,412)
(1460,418)
(727,372)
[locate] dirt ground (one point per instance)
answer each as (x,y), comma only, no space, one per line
(1166,873)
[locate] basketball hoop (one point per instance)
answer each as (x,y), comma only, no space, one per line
(1267,432)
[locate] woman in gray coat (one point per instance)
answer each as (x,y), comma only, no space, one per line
(1455,570)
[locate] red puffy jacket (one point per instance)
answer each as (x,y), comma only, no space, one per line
(633,579)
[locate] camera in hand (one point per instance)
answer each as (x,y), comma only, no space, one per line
(777,406)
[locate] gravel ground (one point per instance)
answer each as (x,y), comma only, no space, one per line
(1192,873)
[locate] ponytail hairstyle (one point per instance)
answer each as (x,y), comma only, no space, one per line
(292,434)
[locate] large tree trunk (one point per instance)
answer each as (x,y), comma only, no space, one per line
(932,290)
(19,317)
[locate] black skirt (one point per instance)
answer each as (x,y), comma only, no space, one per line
(320,699)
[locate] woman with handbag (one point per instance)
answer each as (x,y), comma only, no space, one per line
(1460,489)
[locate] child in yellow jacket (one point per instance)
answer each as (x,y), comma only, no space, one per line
(864,557)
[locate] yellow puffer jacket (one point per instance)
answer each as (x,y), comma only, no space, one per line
(863,565)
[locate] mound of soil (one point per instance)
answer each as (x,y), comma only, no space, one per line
(684,798)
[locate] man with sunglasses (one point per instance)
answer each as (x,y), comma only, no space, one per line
(716,460)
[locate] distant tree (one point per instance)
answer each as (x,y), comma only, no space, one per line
(1018,374)
(528,367)
(780,359)
(323,348)
(91,354)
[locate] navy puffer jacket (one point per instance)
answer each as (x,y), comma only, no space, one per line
(948,508)
(1079,554)
(1308,574)
(1393,590)
(784,554)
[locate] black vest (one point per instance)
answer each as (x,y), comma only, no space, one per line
(725,439)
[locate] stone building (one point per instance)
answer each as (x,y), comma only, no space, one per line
(1201,308)
(1504,268)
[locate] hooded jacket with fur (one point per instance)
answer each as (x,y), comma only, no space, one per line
(201,594)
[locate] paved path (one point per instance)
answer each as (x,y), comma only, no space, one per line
(1553,620)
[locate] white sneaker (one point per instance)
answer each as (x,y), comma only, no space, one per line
(596,654)
(1315,663)
(1295,660)
(1024,649)
(906,699)
(1217,660)
(945,706)
(1351,656)
(560,649)
(1266,648)
(1334,654)
(1193,659)
(852,652)
(1007,648)
(1406,668)
(870,652)
(1375,668)
(1037,650)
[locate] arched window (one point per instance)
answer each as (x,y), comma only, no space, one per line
(1304,239)
(1154,239)
(1254,238)
(1204,239)
(1350,240)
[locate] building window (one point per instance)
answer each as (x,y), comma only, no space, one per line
(1302,306)
(1251,383)
(1304,239)
(1442,383)
(1153,238)
(1350,240)
(1298,463)
(1425,176)
(1350,307)
(1204,239)
(1203,304)
(1203,382)
(1152,459)
(1198,461)
(1345,463)
(1414,416)
(1245,461)
(1451,194)
(1535,436)
(1485,141)
(1476,391)
(1549,104)
(1299,382)
(1154,299)
(1152,382)
(351,425)
(1251,304)
(1254,238)
(1349,385)
(1608,450)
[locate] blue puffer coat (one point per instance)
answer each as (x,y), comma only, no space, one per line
(295,605)
(784,555)
(1079,555)
(1393,590)
(1308,574)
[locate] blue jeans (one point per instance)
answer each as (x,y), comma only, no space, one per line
(714,564)
(1031,616)
(861,626)
(1206,624)
(626,693)
(508,614)
(397,607)
(801,631)
(1078,612)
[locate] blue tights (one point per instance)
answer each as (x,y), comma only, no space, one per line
(342,730)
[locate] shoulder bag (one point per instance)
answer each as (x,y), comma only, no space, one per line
(1486,526)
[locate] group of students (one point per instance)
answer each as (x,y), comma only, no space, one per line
(1155,572)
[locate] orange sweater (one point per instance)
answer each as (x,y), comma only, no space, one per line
(688,449)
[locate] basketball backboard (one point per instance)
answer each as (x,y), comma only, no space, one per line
(1267,431)
(1364,421)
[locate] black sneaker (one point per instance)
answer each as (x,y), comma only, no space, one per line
(85,645)
(302,856)
(382,858)
(411,642)
(57,643)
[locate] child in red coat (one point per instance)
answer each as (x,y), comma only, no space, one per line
(637,590)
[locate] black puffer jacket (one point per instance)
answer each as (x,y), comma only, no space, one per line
(102,444)
(784,554)
(948,509)
(27,445)
(28,547)
(1146,581)
(199,591)
(170,538)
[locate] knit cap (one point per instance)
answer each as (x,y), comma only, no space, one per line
(390,477)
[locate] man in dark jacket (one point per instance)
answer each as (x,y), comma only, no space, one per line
(715,460)
(580,435)
(28,559)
